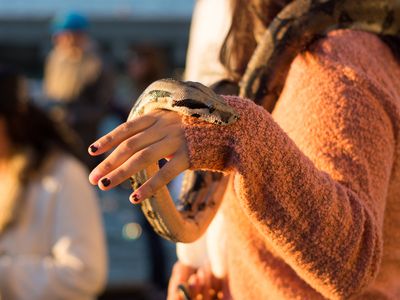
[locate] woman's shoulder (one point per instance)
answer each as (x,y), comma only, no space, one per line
(351,58)
(363,52)
(348,38)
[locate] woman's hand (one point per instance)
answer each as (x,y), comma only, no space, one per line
(180,275)
(138,143)
(199,284)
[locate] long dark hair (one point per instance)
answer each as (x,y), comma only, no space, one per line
(27,126)
(394,44)
(240,41)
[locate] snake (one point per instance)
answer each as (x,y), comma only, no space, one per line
(198,101)
(298,25)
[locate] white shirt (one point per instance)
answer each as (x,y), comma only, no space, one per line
(210,24)
(57,248)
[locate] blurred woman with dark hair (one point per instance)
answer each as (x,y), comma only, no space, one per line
(51,239)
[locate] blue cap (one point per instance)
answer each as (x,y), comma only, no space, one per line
(71,21)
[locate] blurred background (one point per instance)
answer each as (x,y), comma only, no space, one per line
(137,41)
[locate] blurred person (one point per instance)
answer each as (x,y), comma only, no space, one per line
(311,209)
(77,82)
(51,237)
(146,64)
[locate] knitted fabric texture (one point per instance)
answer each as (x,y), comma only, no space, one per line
(312,209)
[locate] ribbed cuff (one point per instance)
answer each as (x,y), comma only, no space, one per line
(211,146)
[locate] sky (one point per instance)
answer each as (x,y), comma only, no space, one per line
(100,8)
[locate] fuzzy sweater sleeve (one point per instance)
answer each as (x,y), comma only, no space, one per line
(313,177)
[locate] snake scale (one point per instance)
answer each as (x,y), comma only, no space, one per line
(293,29)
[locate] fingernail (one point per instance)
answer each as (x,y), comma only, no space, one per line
(192,280)
(135,198)
(183,290)
(105,182)
(93,148)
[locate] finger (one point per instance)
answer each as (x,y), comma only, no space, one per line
(225,293)
(139,161)
(169,171)
(207,287)
(125,150)
(121,133)
(202,282)
(183,292)
(215,282)
(216,289)
(212,286)
(180,273)
(194,287)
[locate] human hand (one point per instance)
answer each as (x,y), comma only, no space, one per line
(138,143)
(195,284)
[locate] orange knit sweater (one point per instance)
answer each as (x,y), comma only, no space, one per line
(312,209)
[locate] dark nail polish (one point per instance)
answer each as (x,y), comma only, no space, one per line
(106,181)
(135,198)
(93,148)
(183,291)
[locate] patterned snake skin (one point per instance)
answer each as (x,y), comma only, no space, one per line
(295,27)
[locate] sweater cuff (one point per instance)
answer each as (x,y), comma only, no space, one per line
(211,146)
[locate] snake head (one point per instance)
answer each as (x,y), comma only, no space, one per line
(188,98)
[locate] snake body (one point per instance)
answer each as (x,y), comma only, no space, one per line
(294,28)
(191,219)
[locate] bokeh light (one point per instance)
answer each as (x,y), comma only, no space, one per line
(131,231)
